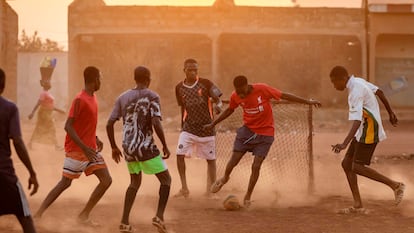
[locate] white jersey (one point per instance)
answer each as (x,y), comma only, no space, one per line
(363,106)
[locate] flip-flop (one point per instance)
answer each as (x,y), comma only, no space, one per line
(399,193)
(353,210)
(125,228)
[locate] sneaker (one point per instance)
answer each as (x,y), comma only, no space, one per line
(156,221)
(125,228)
(399,193)
(217,185)
(182,193)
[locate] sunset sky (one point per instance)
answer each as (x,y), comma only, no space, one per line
(49,17)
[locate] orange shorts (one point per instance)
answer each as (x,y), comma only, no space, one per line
(76,163)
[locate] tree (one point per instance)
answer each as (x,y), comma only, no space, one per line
(35,44)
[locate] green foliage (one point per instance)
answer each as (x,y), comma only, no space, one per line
(35,43)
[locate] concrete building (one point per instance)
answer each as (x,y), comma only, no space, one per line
(8,48)
(290,48)
(391,45)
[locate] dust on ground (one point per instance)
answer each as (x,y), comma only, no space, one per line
(274,209)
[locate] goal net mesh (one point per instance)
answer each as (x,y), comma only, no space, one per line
(289,163)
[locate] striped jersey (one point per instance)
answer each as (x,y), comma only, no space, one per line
(363,106)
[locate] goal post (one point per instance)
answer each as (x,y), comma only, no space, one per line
(289,163)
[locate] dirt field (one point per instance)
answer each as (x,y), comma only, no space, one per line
(272,211)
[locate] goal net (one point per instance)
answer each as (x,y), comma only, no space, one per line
(289,164)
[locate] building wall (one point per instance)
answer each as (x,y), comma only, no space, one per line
(392,53)
(290,48)
(8,48)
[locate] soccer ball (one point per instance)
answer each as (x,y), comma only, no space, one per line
(231,203)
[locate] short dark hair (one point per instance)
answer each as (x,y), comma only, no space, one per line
(2,80)
(90,74)
(190,61)
(142,74)
(338,72)
(239,81)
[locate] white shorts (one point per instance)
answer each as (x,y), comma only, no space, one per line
(203,147)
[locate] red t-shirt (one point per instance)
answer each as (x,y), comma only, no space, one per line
(257,109)
(85,121)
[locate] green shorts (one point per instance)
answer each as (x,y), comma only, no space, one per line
(150,167)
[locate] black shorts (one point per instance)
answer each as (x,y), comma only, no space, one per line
(12,198)
(247,140)
(360,153)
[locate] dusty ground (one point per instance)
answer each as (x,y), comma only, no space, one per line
(272,211)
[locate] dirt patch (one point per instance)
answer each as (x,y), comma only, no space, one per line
(272,211)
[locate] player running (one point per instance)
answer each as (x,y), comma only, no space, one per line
(140,111)
(12,197)
(366,132)
(82,148)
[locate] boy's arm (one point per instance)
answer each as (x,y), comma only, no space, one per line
(351,134)
(116,153)
(156,122)
(90,153)
(384,100)
(24,157)
(294,98)
(226,113)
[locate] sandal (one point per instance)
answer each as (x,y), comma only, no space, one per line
(353,210)
(399,193)
(125,228)
(157,222)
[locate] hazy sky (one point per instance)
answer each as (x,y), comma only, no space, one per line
(49,17)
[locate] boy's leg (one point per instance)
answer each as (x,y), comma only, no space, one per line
(211,173)
(351,176)
(234,160)
(27,224)
(63,184)
(374,175)
(363,155)
(164,192)
(105,181)
(254,176)
(181,171)
(130,195)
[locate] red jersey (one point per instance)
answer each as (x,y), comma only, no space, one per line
(257,109)
(85,121)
